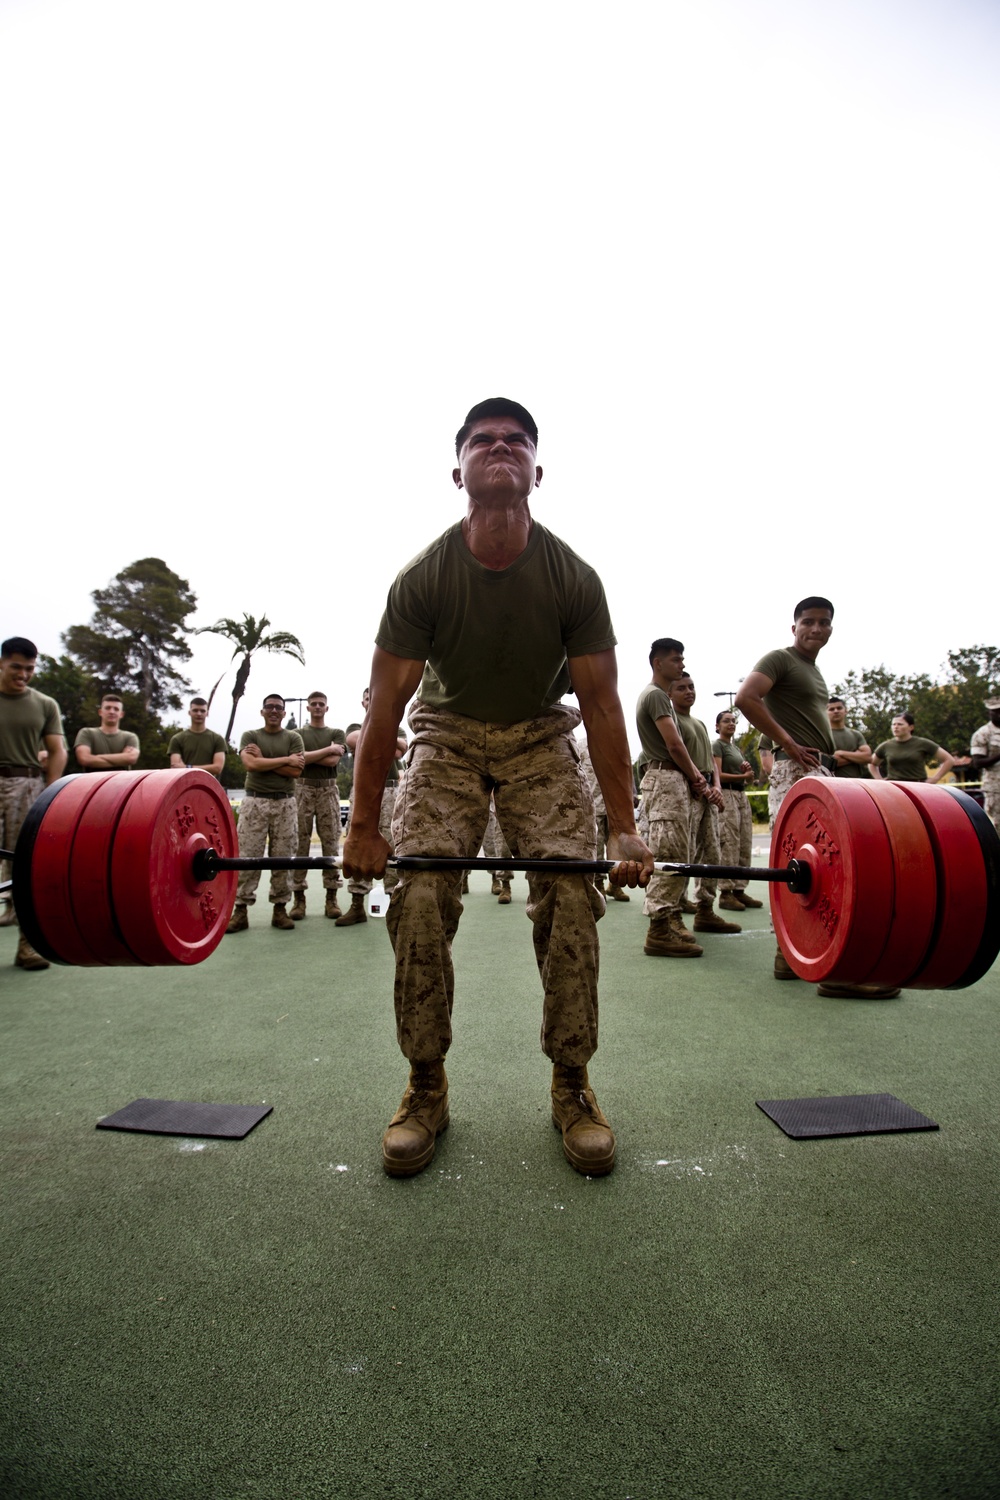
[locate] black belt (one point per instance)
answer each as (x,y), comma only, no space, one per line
(271,796)
(20,771)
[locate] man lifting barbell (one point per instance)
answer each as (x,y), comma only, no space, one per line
(490,626)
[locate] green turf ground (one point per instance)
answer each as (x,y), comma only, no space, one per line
(729,1314)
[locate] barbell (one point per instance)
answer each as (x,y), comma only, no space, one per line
(890,883)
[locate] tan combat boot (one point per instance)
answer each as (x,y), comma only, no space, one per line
(748,900)
(239,921)
(663,940)
(782,968)
(280,917)
(332,908)
(731,901)
(411,1136)
(504,897)
(617,894)
(8,917)
(496,887)
(588,1140)
(688,906)
(27,958)
(708,920)
(354,913)
(831,991)
(299,907)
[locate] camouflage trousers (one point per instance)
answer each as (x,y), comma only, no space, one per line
(318,801)
(991,797)
(17,794)
(784,775)
(390,879)
(704,847)
(735,836)
(267,825)
(495,845)
(546,811)
(667,802)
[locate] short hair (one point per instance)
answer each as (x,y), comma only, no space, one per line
(496,406)
(19,645)
(352,727)
(813,602)
(198,703)
(907,716)
(272,695)
(722,714)
(665,646)
(835,699)
(113,698)
(318,694)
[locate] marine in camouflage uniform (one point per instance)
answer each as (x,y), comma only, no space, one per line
(317,801)
(491,625)
(274,758)
(28,720)
(786,698)
(495,847)
(986,760)
(736,820)
(704,811)
(600,825)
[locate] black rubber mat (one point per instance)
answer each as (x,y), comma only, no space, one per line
(229,1122)
(846,1114)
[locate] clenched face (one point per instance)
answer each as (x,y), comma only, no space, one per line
(497,462)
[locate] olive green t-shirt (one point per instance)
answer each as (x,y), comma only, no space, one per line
(732,764)
(798,698)
(697,742)
(496,643)
(654,703)
(282,742)
(197,747)
(906,760)
(320,739)
(849,739)
(99,743)
(26,719)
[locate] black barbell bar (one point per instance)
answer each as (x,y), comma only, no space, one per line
(207,864)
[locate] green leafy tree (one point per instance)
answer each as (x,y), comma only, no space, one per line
(249,636)
(875,696)
(135,637)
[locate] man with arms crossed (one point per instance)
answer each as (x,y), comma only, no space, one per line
(851,753)
(274,757)
(786,698)
(705,811)
(736,821)
(317,800)
(669,782)
(490,626)
(198,748)
(108,747)
(27,720)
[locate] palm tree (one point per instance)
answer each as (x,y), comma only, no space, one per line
(250,636)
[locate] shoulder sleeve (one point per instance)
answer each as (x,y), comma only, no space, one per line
(774,665)
(218,743)
(980,743)
(174,748)
(409,620)
(53,717)
(296,743)
(131,740)
(248,737)
(82,738)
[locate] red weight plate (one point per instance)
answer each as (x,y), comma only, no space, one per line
(838,929)
(915,892)
(52,892)
(166,916)
(90,869)
(963,897)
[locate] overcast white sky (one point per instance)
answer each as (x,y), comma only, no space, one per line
(739,257)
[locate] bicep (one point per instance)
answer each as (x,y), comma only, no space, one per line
(755,685)
(395,678)
(594,678)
